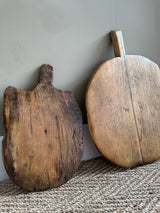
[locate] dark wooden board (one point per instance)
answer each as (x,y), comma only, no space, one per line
(123,107)
(43,146)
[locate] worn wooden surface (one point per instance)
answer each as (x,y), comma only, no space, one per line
(123,107)
(43,144)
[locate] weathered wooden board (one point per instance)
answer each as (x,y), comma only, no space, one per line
(123,107)
(43,146)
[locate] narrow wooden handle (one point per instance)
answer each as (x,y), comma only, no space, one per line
(118,44)
(46,74)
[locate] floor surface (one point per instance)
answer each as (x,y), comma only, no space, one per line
(98,186)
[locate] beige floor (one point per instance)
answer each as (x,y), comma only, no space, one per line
(98,186)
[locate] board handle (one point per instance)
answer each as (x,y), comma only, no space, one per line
(46,74)
(118,44)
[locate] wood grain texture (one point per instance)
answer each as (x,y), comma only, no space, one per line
(123,108)
(43,146)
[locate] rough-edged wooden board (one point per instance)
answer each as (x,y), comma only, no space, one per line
(43,143)
(123,107)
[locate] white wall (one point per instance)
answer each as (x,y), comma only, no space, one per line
(73,36)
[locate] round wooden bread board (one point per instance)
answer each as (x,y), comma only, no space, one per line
(123,107)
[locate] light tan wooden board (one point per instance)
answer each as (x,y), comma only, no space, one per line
(43,144)
(123,108)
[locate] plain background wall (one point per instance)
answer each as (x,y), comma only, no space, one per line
(73,36)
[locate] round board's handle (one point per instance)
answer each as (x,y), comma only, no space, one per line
(46,74)
(118,44)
